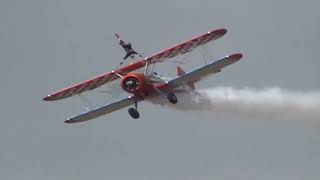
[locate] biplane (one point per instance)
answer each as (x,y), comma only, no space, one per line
(142,85)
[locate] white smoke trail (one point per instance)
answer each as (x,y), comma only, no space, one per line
(268,102)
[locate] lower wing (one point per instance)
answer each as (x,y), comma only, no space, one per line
(102,110)
(204,71)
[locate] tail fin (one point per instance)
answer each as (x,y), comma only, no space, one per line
(180,72)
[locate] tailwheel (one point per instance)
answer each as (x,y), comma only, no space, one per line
(172,98)
(134,113)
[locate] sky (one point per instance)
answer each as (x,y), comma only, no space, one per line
(47,45)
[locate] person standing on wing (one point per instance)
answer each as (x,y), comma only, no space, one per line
(127,48)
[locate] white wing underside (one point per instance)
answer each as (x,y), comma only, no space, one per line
(100,111)
(198,74)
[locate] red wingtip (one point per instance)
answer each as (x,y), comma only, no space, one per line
(221,32)
(68,121)
(236,57)
(47,98)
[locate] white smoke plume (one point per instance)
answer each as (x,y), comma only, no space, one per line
(268,102)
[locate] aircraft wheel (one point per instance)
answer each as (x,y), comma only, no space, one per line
(133,113)
(172,98)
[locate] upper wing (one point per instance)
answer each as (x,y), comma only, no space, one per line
(159,57)
(79,88)
(93,83)
(197,74)
(187,46)
(102,110)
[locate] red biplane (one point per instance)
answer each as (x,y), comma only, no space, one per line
(143,86)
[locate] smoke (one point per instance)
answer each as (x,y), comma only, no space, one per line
(268,102)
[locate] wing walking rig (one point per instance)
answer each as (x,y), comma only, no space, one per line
(142,86)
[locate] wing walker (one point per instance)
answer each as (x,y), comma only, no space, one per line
(144,85)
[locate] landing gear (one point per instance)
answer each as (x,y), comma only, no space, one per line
(134,111)
(172,98)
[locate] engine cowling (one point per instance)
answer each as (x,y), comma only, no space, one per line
(134,83)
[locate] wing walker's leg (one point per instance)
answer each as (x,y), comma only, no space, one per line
(127,55)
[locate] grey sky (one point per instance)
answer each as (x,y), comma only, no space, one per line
(46,45)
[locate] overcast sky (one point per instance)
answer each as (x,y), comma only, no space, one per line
(47,45)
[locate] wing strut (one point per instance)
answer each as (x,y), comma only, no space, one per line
(146,68)
(118,74)
(86,102)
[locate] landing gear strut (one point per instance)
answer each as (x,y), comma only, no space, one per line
(134,111)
